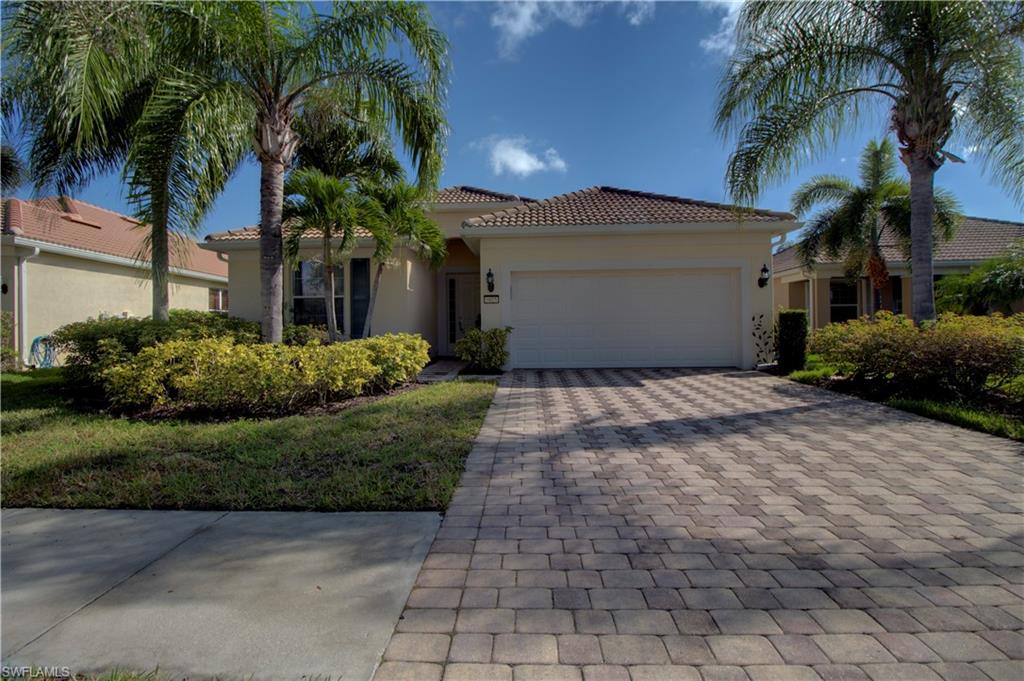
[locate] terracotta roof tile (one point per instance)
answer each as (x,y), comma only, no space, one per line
(975,239)
(614,206)
(467,194)
(74,223)
(252,233)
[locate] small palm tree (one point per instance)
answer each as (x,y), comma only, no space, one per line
(855,215)
(317,204)
(396,218)
(803,73)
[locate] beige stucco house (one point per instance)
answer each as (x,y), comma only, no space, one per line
(601,277)
(64,260)
(830,296)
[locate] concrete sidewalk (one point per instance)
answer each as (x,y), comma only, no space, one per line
(200,594)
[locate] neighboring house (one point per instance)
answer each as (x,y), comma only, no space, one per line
(64,261)
(600,277)
(830,297)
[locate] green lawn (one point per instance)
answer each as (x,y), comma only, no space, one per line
(402,452)
(974,417)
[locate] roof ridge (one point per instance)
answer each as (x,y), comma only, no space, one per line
(1002,222)
(692,202)
(531,205)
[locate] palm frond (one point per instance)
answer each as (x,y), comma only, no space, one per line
(820,189)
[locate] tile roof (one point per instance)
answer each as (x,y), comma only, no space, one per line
(467,194)
(252,233)
(975,239)
(74,223)
(614,206)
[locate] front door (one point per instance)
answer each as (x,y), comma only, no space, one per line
(462,305)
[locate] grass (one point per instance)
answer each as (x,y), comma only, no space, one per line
(400,452)
(817,372)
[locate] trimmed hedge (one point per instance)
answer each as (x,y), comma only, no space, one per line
(956,357)
(223,376)
(484,350)
(92,346)
(792,340)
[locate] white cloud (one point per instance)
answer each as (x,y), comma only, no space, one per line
(723,41)
(518,20)
(512,155)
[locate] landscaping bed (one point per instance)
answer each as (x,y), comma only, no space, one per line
(964,370)
(400,451)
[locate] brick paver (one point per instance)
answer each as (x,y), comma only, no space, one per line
(693,524)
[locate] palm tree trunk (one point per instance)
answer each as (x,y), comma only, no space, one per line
(271,249)
(922,208)
(332,315)
(160,264)
(373,299)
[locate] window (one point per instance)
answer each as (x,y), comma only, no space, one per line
(218,300)
(308,287)
(359,284)
(897,294)
(842,300)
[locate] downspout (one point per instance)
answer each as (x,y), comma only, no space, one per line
(23,305)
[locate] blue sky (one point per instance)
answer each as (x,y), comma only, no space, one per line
(551,97)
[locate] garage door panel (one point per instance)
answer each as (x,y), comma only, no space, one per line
(600,318)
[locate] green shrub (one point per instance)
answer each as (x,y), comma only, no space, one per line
(792,340)
(221,376)
(994,285)
(303,334)
(484,350)
(955,357)
(92,346)
(400,357)
(8,355)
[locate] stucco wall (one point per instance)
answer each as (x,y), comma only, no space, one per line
(406,301)
(62,289)
(747,252)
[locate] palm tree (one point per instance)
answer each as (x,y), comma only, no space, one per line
(851,225)
(804,72)
(397,218)
(12,169)
(266,59)
(317,204)
(86,79)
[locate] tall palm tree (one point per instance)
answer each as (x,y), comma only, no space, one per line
(804,72)
(397,218)
(317,204)
(265,60)
(84,78)
(852,222)
(12,169)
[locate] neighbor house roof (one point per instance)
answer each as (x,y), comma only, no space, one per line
(467,194)
(614,206)
(975,239)
(83,226)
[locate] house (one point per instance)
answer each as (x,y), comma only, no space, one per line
(64,260)
(600,277)
(830,296)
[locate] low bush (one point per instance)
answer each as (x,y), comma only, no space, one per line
(484,350)
(91,347)
(8,355)
(792,340)
(219,375)
(955,357)
(303,334)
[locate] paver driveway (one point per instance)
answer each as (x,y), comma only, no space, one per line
(661,524)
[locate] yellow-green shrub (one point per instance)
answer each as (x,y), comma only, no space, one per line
(400,357)
(957,356)
(219,375)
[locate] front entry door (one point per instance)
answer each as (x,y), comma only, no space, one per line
(462,302)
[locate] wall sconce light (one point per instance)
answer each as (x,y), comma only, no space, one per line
(490,280)
(762,281)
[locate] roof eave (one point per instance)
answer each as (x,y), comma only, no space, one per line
(772,227)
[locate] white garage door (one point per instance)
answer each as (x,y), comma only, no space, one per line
(625,318)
